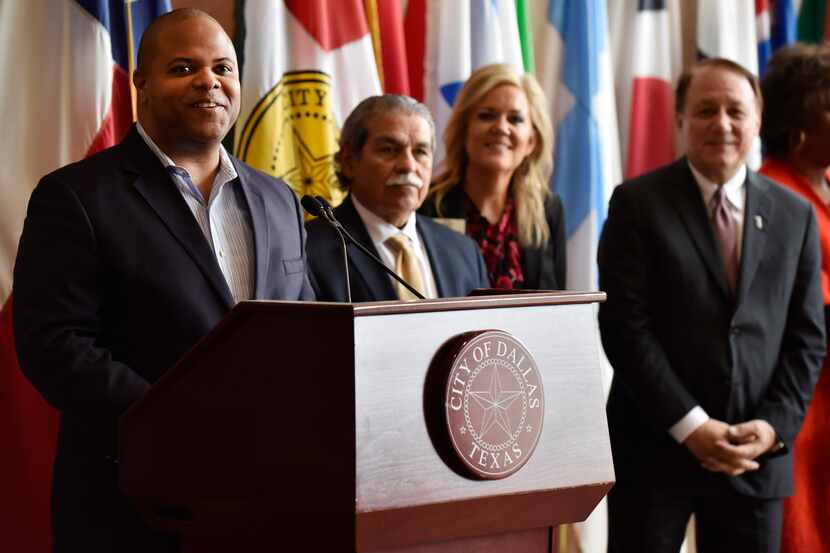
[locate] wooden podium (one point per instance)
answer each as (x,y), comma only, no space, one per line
(304,427)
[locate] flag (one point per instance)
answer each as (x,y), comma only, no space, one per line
(460,38)
(763,32)
(307,64)
(784,24)
(69,98)
(728,30)
(389,45)
(574,68)
(813,21)
(775,26)
(415,32)
(523,18)
(647,51)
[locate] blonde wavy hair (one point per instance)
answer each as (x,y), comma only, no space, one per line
(529,182)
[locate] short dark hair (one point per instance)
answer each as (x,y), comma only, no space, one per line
(685,80)
(149,39)
(797,88)
(355,131)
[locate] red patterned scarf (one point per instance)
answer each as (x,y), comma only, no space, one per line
(499,245)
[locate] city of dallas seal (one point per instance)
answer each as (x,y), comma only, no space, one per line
(494,404)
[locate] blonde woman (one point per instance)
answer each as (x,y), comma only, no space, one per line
(494,179)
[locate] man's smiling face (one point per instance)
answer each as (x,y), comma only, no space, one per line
(188,91)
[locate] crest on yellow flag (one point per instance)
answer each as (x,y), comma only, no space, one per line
(292,134)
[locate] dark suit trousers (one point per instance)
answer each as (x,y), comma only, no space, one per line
(649,520)
(102,518)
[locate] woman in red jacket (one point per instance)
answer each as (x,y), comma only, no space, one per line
(796,136)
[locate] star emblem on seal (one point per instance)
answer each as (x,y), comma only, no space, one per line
(494,404)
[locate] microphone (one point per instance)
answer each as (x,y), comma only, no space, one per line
(329,216)
(311,205)
(314,207)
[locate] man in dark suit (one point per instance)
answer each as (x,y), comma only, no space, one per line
(131,256)
(385,160)
(714,327)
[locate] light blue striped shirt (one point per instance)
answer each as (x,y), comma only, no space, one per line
(224,219)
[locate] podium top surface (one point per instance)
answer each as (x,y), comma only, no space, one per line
(485,301)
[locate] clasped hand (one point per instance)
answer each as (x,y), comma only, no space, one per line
(731,449)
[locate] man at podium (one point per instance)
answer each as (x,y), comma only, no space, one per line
(385,160)
(131,256)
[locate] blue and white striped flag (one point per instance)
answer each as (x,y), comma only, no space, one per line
(574,66)
(573,63)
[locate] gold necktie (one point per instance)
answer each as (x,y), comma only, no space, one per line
(406,265)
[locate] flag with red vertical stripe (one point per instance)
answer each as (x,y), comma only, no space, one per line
(393,48)
(647,61)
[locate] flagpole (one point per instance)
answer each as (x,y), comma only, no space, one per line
(130,54)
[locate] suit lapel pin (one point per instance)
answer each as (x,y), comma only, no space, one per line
(759,222)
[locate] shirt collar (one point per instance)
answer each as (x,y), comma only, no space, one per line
(227,171)
(380,230)
(733,188)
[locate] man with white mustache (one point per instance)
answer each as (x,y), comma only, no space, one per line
(385,161)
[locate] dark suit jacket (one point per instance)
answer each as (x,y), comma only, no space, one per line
(454,259)
(114,282)
(544,268)
(677,337)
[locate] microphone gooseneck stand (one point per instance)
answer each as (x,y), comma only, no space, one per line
(328,214)
(313,206)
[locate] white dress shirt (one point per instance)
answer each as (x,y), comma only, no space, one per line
(379,231)
(735,190)
(224,219)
